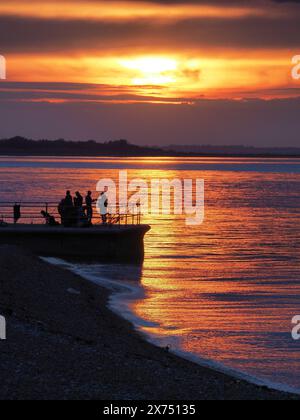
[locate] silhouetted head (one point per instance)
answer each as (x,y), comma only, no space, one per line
(77,193)
(89,193)
(43,213)
(68,192)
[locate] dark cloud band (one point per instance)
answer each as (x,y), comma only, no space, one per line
(53,36)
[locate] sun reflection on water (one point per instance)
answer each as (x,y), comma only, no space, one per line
(226,290)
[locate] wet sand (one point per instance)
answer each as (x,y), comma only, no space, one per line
(63,343)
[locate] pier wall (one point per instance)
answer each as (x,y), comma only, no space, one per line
(122,243)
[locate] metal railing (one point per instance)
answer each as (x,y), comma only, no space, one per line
(30,213)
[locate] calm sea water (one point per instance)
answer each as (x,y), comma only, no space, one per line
(223,293)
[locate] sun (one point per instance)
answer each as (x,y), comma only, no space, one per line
(151,70)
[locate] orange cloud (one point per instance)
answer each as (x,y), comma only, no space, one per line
(166,51)
(177,74)
(130,10)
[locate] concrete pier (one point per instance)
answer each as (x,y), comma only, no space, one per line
(101,243)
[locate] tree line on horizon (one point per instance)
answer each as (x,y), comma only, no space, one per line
(23,146)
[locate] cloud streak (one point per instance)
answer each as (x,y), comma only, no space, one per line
(84,92)
(80,92)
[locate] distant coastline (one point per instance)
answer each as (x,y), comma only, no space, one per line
(20,146)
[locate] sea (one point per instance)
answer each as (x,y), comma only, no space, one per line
(222,293)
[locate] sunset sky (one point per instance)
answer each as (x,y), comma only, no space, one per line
(157,72)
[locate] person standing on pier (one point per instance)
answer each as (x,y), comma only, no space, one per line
(89,206)
(68,210)
(61,211)
(78,207)
(68,199)
(103,205)
(78,200)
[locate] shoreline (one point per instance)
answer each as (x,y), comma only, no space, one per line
(64,343)
(120,296)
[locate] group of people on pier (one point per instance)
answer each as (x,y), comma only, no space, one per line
(75,213)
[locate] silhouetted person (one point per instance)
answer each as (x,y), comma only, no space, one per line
(89,206)
(68,200)
(78,200)
(61,211)
(69,217)
(50,220)
(78,207)
(17,213)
